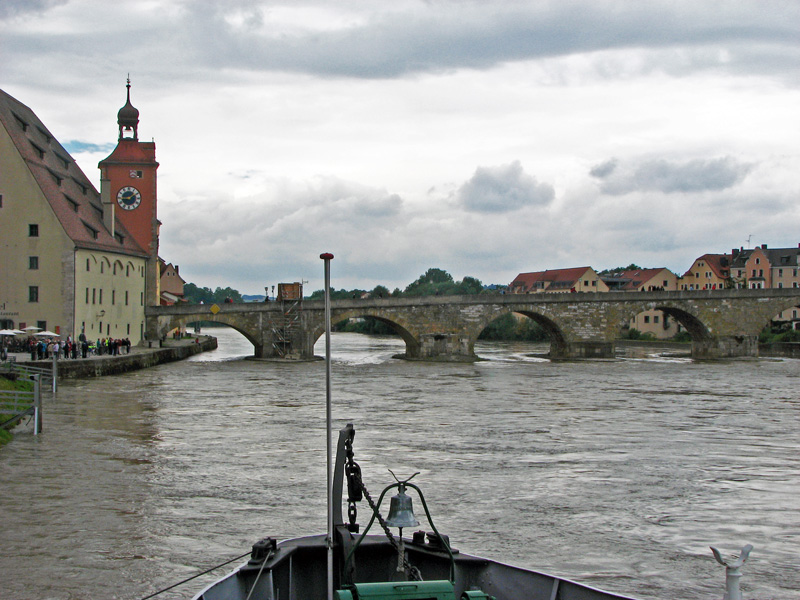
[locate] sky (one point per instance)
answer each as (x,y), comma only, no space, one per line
(485,138)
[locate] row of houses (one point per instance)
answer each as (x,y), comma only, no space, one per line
(756,268)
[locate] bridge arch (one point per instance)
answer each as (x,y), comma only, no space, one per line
(168,323)
(693,324)
(399,326)
(558,341)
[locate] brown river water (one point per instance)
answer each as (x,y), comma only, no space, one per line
(618,473)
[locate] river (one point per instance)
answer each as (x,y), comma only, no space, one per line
(619,473)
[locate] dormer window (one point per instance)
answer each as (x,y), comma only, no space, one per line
(45,135)
(72,203)
(39,151)
(21,122)
(80,185)
(92,231)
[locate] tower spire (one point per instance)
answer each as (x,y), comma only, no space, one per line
(128,116)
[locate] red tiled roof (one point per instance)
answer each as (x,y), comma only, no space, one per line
(719,264)
(72,197)
(561,278)
(638,277)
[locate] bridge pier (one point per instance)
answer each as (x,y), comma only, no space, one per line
(578,350)
(443,347)
(731,346)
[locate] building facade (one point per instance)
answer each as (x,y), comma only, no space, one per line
(764,267)
(708,272)
(578,279)
(72,263)
(170,283)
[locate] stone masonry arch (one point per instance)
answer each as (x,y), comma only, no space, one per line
(166,324)
(399,325)
(558,341)
(689,320)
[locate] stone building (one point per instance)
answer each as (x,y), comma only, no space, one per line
(75,260)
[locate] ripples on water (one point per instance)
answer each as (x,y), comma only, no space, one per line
(619,473)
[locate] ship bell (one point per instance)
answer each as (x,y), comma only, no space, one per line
(401,512)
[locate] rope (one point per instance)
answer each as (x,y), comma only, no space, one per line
(195,576)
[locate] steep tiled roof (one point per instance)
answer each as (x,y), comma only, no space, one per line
(719,263)
(73,198)
(552,279)
(635,278)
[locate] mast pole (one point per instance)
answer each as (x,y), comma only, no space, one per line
(327,257)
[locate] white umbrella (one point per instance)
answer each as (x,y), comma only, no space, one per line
(7,332)
(47,334)
(17,331)
(32,328)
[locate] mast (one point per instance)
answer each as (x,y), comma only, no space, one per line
(327,257)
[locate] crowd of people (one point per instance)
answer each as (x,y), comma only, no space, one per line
(41,349)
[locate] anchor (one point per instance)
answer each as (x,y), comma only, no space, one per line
(732,572)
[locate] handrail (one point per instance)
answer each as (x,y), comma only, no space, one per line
(13,402)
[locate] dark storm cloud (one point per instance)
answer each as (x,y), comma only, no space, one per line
(670,177)
(503,189)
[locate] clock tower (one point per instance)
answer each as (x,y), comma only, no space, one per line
(128,192)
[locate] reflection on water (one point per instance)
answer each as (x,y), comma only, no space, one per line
(619,473)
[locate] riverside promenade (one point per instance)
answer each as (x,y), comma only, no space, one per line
(140,357)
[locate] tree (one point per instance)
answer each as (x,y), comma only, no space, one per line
(433,282)
(470,285)
(380,291)
(195,295)
(630,267)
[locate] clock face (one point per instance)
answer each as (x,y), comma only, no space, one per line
(129,198)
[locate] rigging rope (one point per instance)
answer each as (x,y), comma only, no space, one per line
(195,576)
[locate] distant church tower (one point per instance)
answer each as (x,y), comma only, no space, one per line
(128,192)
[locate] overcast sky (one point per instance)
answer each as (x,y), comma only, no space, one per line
(483,138)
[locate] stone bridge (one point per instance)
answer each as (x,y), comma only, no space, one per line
(722,323)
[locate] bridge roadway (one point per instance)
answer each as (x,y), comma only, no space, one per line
(722,323)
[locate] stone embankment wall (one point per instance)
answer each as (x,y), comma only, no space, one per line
(139,358)
(784,349)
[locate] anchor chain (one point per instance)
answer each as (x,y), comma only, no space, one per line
(356,490)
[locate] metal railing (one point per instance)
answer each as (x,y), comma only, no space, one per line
(15,405)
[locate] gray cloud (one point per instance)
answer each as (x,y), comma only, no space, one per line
(429,37)
(503,189)
(13,8)
(670,177)
(604,169)
(435,36)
